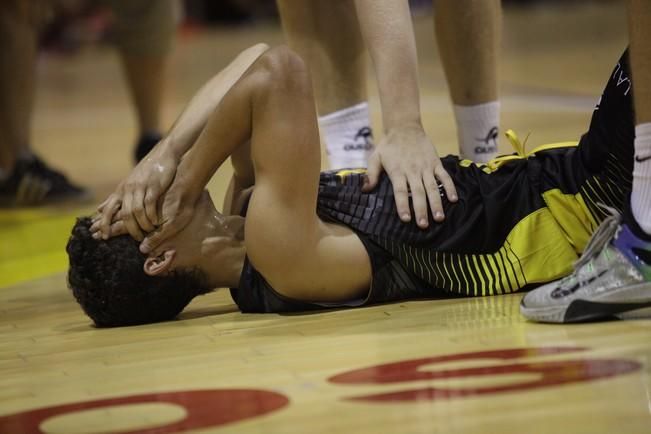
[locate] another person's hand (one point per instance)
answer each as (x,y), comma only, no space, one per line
(412,164)
(133,207)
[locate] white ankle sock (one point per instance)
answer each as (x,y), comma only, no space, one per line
(641,194)
(478,130)
(348,136)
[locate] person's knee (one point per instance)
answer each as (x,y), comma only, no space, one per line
(284,67)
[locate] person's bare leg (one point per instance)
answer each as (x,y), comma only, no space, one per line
(146,77)
(640,34)
(468,33)
(144,33)
(327,36)
(18,36)
(24,178)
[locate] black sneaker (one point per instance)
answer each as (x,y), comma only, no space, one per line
(145,144)
(34,183)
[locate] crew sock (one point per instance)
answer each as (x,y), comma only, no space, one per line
(641,194)
(348,136)
(478,130)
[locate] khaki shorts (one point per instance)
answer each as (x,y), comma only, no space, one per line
(144,27)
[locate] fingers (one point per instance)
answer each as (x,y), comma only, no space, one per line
(138,211)
(117,229)
(373,172)
(448,184)
(175,217)
(401,195)
(126,215)
(433,196)
(109,209)
(424,191)
(419,200)
(151,209)
(154,239)
(101,206)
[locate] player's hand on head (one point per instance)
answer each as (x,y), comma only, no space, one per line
(117,227)
(177,208)
(135,201)
(412,164)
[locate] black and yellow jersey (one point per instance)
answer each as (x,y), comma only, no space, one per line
(520,220)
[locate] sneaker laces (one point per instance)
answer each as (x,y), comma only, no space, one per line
(598,242)
(601,237)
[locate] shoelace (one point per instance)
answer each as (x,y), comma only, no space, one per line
(599,240)
(601,236)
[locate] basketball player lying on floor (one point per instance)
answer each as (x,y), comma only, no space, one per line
(300,240)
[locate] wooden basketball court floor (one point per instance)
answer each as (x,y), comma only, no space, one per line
(443,366)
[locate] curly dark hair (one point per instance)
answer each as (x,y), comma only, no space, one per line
(107,279)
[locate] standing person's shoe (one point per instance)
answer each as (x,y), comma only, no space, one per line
(32,182)
(612,278)
(146,143)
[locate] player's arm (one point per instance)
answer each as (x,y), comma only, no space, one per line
(136,198)
(300,256)
(405,152)
(273,106)
(242,181)
(226,133)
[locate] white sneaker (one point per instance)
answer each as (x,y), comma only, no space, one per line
(612,278)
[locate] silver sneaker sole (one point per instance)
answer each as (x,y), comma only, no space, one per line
(633,301)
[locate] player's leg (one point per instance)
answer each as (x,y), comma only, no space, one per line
(18,37)
(144,32)
(468,34)
(327,36)
(613,276)
(299,255)
(640,31)
(24,178)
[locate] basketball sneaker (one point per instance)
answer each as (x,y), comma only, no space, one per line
(32,182)
(612,278)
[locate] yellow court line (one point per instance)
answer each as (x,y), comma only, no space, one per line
(32,242)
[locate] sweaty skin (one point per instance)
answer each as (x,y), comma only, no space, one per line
(255,124)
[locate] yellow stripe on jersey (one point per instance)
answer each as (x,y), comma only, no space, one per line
(538,249)
(344,173)
(474,282)
(482,285)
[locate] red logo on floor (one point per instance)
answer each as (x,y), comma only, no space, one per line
(217,407)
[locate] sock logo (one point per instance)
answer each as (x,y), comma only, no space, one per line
(363,140)
(642,159)
(489,142)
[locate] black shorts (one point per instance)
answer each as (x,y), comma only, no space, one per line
(523,223)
